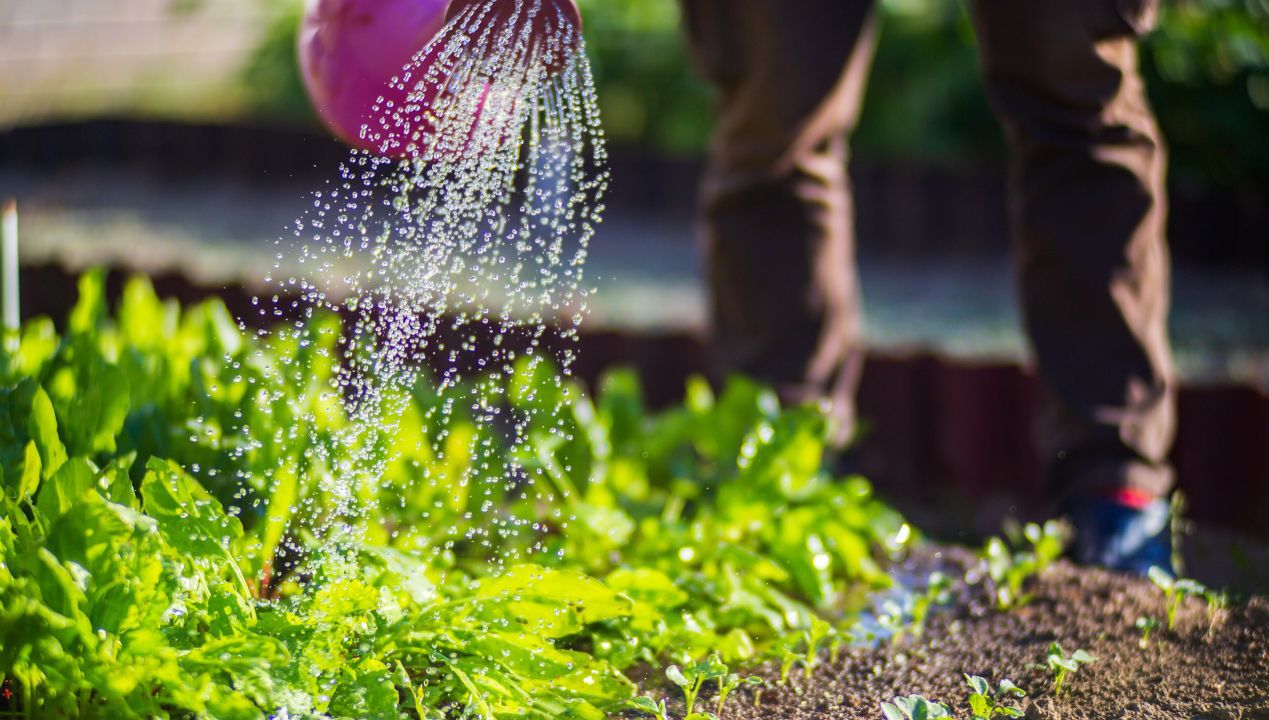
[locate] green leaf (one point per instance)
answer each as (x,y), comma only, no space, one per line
(979,705)
(648,705)
(1008,688)
(90,309)
(42,427)
(1082,657)
(550,602)
(94,407)
(978,684)
(1064,663)
(647,585)
(676,676)
(368,693)
(28,475)
(282,501)
(190,519)
(65,488)
(1160,577)
(1186,586)
(37,345)
(119,558)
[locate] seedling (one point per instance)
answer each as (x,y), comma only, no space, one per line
(814,637)
(1010,570)
(1216,602)
(804,648)
(938,591)
(788,658)
(987,703)
(692,678)
(1061,664)
(727,685)
(1176,590)
(1146,625)
(891,618)
(914,707)
(645,704)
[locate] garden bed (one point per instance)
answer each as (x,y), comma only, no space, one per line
(195,523)
(1199,670)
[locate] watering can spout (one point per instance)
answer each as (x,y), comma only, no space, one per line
(567,8)
(350,50)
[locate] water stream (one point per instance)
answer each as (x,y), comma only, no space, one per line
(475,217)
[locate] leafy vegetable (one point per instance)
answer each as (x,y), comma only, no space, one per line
(167,481)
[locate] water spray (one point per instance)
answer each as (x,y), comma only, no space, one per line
(466,207)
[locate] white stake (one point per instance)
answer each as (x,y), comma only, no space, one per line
(9,251)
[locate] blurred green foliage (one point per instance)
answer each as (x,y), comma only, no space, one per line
(1208,71)
(1207,67)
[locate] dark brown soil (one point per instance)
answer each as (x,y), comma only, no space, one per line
(1199,670)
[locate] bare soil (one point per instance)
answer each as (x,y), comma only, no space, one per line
(1200,670)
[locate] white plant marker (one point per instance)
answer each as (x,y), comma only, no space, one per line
(9,250)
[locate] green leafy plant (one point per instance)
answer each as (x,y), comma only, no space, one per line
(1176,590)
(166,485)
(1146,625)
(987,703)
(914,707)
(1063,665)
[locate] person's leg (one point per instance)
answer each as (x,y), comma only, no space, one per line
(1089,204)
(778,222)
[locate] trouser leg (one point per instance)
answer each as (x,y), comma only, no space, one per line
(776,204)
(1089,212)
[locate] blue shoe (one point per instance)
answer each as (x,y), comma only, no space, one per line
(1130,537)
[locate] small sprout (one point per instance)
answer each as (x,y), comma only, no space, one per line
(1217,602)
(1010,570)
(692,678)
(892,619)
(644,704)
(728,685)
(1061,665)
(701,716)
(987,703)
(914,707)
(938,591)
(1176,590)
(788,659)
(1146,625)
(814,637)
(804,648)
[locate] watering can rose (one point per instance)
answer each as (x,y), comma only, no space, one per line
(350,51)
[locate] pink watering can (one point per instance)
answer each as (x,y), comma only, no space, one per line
(350,50)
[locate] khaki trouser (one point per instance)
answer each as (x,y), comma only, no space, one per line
(1088,204)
